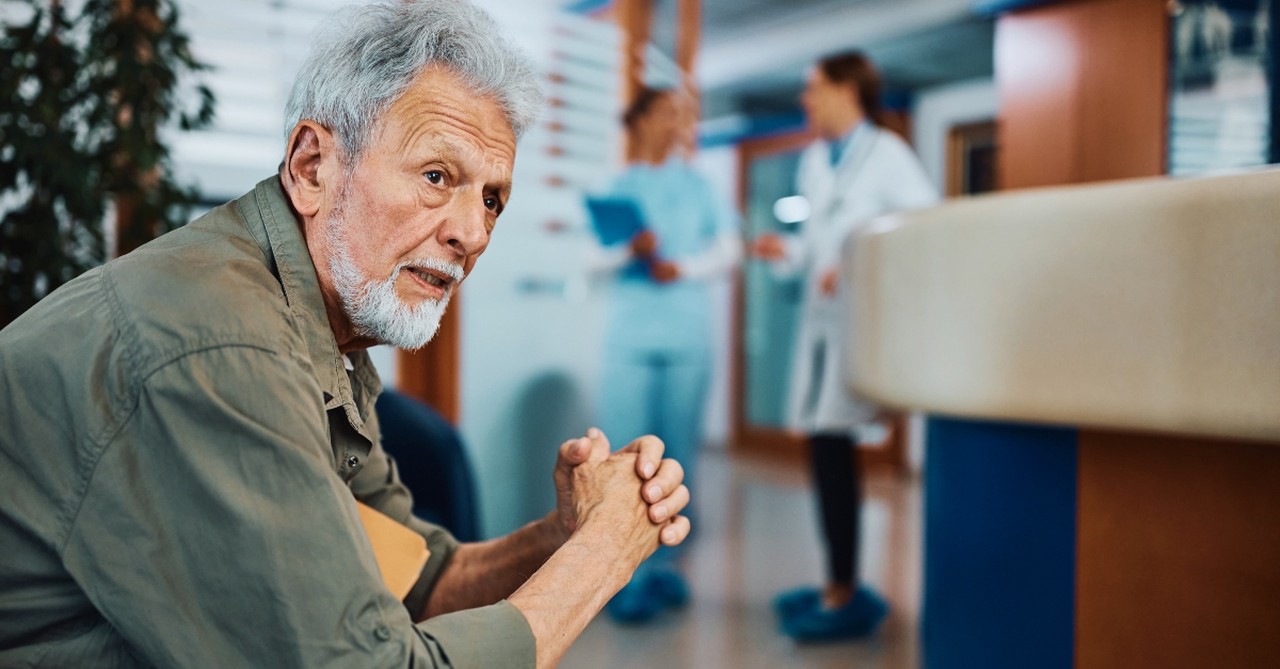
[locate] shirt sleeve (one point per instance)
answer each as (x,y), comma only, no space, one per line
(604,260)
(213,531)
(721,225)
(724,254)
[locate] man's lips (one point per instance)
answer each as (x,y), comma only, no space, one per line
(434,281)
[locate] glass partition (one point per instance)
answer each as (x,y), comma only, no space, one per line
(771,305)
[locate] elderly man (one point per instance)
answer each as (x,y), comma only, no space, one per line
(187,429)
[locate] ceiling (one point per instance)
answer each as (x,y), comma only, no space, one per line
(754,53)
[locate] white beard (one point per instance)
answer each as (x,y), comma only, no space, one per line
(373,306)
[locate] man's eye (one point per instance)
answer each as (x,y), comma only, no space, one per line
(435,176)
(491,203)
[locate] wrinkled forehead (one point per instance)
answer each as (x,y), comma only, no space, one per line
(441,106)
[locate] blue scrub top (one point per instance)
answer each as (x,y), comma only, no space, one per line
(680,207)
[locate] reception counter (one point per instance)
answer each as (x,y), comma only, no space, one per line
(1101,369)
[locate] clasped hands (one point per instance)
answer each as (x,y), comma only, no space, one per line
(634,494)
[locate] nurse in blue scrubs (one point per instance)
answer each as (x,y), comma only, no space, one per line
(658,344)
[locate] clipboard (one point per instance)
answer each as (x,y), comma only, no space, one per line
(400,552)
(614,219)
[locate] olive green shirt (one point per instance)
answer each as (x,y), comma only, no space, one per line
(181,448)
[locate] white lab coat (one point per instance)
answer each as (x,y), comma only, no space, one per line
(877,174)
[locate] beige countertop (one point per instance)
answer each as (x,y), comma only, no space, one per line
(1150,304)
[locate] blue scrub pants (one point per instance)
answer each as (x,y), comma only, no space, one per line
(659,392)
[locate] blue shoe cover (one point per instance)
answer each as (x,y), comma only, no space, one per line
(668,587)
(857,619)
(797,601)
(647,595)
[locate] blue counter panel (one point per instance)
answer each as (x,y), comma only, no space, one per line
(999,545)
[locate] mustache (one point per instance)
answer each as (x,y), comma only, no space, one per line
(452,270)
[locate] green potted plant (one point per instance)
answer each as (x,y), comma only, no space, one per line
(83,99)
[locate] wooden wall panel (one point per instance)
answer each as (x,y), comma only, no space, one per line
(1125,92)
(635,18)
(1083,92)
(431,373)
(1178,553)
(688,34)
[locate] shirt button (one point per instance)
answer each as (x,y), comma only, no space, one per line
(382,633)
(352,461)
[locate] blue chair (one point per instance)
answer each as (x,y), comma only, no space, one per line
(433,463)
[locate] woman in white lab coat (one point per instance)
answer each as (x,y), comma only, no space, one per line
(855,172)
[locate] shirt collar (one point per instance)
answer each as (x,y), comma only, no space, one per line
(842,147)
(279,233)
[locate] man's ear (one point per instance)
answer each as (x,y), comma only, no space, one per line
(310,167)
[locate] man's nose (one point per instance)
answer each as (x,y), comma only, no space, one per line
(465,228)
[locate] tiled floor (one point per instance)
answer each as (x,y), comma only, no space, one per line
(757,536)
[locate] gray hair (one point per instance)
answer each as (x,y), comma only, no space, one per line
(364,58)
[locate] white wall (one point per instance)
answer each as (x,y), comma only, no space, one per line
(938,109)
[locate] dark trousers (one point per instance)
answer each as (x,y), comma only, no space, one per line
(838,482)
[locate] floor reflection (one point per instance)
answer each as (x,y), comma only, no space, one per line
(757,535)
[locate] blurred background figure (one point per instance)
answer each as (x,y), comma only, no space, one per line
(853,173)
(657,346)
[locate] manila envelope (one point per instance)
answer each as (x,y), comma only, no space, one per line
(401,553)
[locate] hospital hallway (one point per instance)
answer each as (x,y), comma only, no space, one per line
(757,535)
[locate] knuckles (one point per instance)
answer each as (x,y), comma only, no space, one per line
(650,442)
